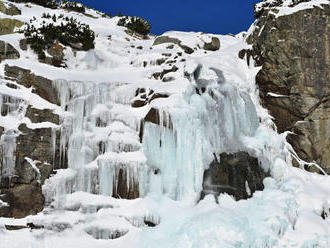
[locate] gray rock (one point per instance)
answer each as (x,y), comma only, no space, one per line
(214,45)
(7,51)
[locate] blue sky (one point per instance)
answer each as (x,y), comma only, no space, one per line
(210,16)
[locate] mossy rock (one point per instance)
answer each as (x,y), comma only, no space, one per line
(7,26)
(10,10)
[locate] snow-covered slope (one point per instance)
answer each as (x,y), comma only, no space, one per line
(198,118)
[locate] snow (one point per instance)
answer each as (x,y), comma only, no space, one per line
(33,165)
(99,135)
(285,9)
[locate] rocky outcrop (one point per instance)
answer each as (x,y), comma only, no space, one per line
(7,26)
(9,9)
(238,174)
(7,51)
(37,154)
(42,86)
(37,149)
(294,80)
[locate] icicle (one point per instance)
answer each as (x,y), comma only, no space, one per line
(53,137)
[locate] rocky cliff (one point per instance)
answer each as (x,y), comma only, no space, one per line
(292,46)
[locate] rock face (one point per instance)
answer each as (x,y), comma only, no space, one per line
(7,51)
(294,81)
(7,26)
(236,174)
(37,144)
(37,150)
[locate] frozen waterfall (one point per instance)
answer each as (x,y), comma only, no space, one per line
(100,137)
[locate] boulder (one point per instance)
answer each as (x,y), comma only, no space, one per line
(214,45)
(7,51)
(7,26)
(166,39)
(294,53)
(238,174)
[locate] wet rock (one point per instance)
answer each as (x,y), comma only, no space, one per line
(214,45)
(238,174)
(294,53)
(7,26)
(166,39)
